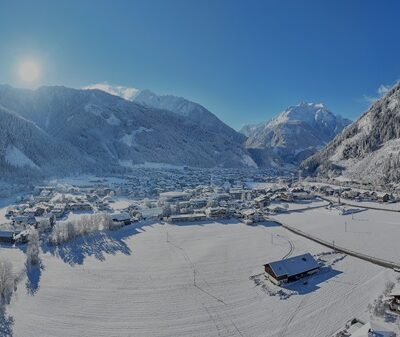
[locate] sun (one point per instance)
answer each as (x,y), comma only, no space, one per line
(29,71)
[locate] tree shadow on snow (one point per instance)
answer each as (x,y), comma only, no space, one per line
(98,244)
(6,324)
(34,274)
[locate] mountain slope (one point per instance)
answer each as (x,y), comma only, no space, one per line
(26,150)
(367,150)
(112,133)
(190,110)
(296,133)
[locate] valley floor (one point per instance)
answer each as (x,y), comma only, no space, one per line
(371,232)
(197,280)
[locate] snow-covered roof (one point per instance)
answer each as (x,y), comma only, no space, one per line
(120,216)
(372,330)
(395,291)
(294,265)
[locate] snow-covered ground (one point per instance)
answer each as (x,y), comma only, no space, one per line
(371,232)
(201,279)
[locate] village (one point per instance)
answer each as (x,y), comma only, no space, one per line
(179,198)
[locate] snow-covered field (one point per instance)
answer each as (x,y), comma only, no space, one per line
(371,232)
(189,280)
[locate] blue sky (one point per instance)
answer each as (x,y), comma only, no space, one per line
(243,60)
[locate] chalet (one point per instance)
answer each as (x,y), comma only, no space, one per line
(291,269)
(250,216)
(384,197)
(121,218)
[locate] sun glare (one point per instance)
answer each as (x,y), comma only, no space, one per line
(29,71)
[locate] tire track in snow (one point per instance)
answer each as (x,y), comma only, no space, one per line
(217,316)
(291,248)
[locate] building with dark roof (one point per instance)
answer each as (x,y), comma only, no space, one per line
(291,269)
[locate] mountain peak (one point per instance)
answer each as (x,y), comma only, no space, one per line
(296,132)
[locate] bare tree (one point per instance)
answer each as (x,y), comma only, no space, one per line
(7,282)
(32,252)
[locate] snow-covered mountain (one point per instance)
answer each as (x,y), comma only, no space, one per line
(28,151)
(105,132)
(295,134)
(367,150)
(190,110)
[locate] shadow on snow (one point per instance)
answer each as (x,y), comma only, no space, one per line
(6,324)
(312,283)
(97,244)
(33,273)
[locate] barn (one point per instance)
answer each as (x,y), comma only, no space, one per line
(291,269)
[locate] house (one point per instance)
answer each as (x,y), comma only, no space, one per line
(198,203)
(291,269)
(58,211)
(250,216)
(262,201)
(121,218)
(277,209)
(187,217)
(286,196)
(174,196)
(395,300)
(7,236)
(24,220)
(215,212)
(358,328)
(22,237)
(80,207)
(303,195)
(384,197)
(235,193)
(372,330)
